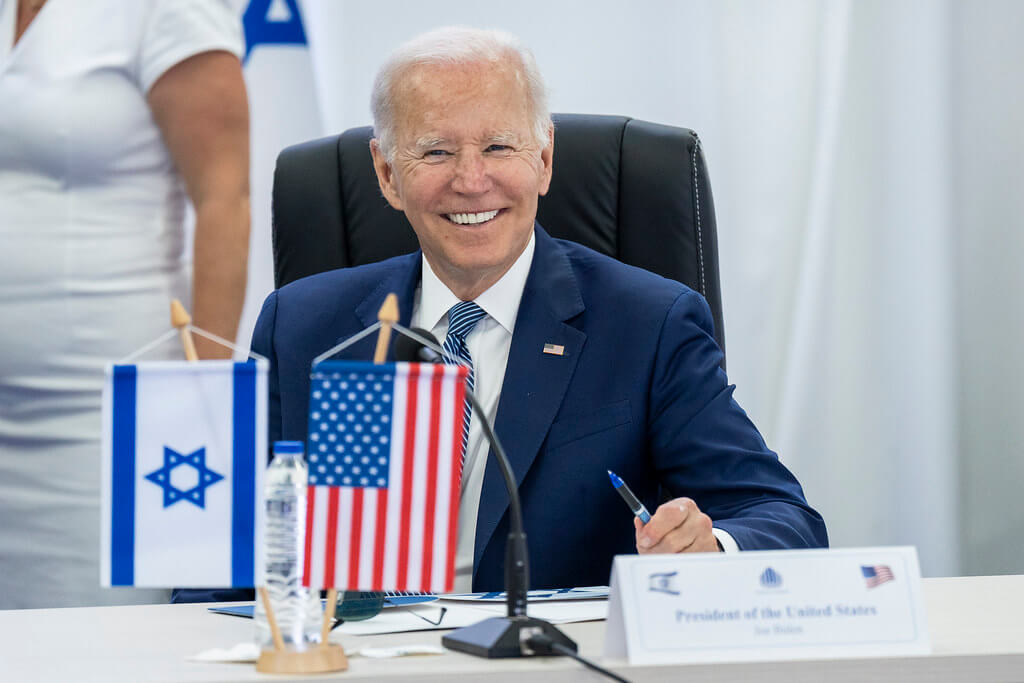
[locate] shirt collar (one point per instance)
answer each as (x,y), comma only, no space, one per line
(500,301)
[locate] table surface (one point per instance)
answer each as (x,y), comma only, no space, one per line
(976,627)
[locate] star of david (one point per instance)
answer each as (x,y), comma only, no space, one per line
(172,494)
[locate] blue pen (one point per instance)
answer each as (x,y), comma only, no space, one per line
(632,501)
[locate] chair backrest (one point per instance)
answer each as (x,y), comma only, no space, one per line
(634,190)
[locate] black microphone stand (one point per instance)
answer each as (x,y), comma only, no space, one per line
(508,636)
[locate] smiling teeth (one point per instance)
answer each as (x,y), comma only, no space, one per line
(471,218)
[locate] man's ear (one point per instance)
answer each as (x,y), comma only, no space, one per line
(385,175)
(547,158)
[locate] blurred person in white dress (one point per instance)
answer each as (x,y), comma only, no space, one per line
(113,115)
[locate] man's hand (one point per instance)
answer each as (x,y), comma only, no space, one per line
(677,526)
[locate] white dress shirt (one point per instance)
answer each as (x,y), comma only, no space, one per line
(489,343)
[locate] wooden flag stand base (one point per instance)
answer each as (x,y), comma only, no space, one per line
(317,659)
(320,659)
(325,656)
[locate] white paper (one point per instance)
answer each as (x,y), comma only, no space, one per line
(569,612)
(401,651)
(614,632)
(458,614)
(543,595)
(400,619)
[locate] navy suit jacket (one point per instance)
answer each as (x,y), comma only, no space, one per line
(639,391)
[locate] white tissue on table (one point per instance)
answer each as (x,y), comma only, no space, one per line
(400,651)
(243,652)
(249,652)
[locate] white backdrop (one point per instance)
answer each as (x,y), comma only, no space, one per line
(864,158)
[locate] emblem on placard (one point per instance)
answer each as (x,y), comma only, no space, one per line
(662,582)
(771,578)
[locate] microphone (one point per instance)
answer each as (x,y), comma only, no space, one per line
(514,635)
(410,350)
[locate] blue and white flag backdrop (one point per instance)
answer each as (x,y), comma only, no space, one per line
(184,452)
(283,111)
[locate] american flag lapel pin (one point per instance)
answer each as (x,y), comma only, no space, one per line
(554,349)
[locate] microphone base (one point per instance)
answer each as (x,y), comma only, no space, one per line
(500,637)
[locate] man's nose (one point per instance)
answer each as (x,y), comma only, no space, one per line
(471,176)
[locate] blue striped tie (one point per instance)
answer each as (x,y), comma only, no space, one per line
(462,318)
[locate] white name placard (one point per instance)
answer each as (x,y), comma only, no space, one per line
(766,605)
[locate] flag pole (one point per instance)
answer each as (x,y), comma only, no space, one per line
(388,316)
(275,631)
(181,319)
(327,657)
(329,608)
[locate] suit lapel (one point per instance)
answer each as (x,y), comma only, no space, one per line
(402,280)
(535,382)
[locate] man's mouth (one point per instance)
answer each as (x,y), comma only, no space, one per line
(471,218)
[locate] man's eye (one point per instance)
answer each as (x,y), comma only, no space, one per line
(437,153)
(499,148)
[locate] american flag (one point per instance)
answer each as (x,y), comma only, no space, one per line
(385,466)
(876,575)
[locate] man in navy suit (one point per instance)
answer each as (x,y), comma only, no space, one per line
(584,363)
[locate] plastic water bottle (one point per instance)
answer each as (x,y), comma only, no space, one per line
(296,608)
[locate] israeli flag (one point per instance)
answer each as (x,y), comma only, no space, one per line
(283,111)
(184,452)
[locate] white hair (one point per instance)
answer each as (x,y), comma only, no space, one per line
(454,45)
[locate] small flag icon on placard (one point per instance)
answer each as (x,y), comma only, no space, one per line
(184,450)
(876,575)
(385,454)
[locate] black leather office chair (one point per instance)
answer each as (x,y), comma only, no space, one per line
(633,190)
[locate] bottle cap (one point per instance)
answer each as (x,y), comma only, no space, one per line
(289,447)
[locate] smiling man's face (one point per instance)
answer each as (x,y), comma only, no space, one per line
(467,170)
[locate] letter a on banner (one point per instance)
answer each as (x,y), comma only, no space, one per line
(184,451)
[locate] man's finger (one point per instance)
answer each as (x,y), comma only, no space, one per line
(679,539)
(667,517)
(694,535)
(676,541)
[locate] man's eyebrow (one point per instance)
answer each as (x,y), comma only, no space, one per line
(428,141)
(507,137)
(504,138)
